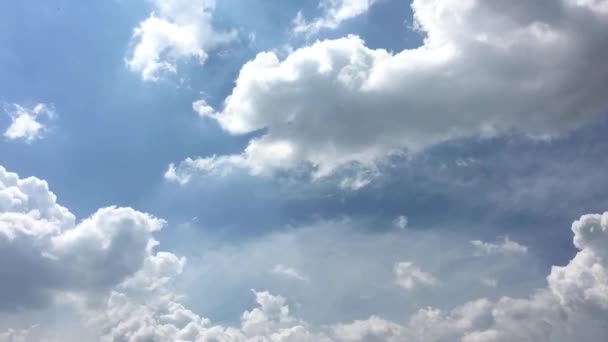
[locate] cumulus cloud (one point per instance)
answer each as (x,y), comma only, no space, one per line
(506,247)
(28,124)
(410,276)
(401,222)
(270,320)
(485,68)
(46,254)
(175,30)
(573,306)
(334,13)
(108,266)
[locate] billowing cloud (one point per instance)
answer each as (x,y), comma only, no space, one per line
(107,266)
(28,124)
(46,254)
(334,13)
(485,68)
(175,30)
(573,306)
(506,247)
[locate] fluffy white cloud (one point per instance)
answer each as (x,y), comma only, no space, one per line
(485,68)
(28,124)
(175,30)
(108,267)
(506,247)
(573,306)
(409,276)
(127,320)
(334,13)
(45,254)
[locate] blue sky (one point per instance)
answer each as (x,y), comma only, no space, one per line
(341,164)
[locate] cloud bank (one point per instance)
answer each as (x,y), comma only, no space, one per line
(485,68)
(107,266)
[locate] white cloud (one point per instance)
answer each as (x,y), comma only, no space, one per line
(108,268)
(38,236)
(484,69)
(410,276)
(29,124)
(175,30)
(401,222)
(574,305)
(506,247)
(335,12)
(289,272)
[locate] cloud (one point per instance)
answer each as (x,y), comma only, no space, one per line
(409,276)
(270,320)
(573,306)
(289,272)
(372,329)
(29,124)
(334,13)
(484,69)
(108,268)
(401,222)
(46,254)
(506,247)
(175,30)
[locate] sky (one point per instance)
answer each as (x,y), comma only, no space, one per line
(306,170)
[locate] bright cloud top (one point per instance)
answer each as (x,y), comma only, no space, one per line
(175,30)
(334,13)
(484,69)
(28,124)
